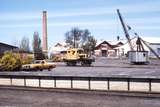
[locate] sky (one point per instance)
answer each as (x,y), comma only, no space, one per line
(19,18)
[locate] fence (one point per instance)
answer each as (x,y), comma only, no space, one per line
(110,83)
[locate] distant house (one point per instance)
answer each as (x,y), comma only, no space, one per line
(106,48)
(6,47)
(58,50)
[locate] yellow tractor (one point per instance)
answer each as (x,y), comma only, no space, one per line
(74,56)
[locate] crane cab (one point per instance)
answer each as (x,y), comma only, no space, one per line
(138,57)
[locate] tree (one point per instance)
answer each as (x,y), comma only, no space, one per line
(85,35)
(78,38)
(37,49)
(73,37)
(24,44)
(90,44)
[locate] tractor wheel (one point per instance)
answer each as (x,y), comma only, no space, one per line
(68,64)
(74,63)
(86,63)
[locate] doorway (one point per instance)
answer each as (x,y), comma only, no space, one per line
(104,53)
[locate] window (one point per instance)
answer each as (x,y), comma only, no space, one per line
(80,51)
(36,62)
(42,62)
(73,52)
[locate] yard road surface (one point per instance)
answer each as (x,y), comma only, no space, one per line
(101,68)
(42,98)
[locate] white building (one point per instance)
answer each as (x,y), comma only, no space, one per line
(58,49)
(156,48)
(153,42)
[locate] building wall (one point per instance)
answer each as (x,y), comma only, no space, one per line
(156,48)
(122,51)
(104,50)
(4,48)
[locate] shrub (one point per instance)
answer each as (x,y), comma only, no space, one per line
(26,60)
(10,62)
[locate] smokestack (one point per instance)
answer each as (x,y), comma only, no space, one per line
(44,40)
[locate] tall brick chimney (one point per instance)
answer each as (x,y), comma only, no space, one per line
(44,30)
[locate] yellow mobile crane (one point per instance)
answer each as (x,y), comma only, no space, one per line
(77,55)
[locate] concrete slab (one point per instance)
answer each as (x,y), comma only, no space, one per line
(80,84)
(18,82)
(156,87)
(47,83)
(99,85)
(32,82)
(63,83)
(116,85)
(139,86)
(5,81)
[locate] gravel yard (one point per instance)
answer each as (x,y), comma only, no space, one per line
(102,67)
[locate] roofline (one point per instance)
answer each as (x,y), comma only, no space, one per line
(103,42)
(154,43)
(8,45)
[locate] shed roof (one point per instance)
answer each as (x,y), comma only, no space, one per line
(4,44)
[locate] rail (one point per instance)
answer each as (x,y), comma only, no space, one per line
(110,83)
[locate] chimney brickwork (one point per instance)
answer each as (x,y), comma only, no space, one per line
(44,30)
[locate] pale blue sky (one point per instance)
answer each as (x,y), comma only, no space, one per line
(22,17)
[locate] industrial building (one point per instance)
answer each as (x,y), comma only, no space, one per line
(106,48)
(153,43)
(6,47)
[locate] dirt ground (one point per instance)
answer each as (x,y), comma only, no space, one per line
(30,98)
(101,68)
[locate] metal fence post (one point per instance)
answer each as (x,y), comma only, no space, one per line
(89,83)
(71,82)
(108,84)
(39,82)
(25,81)
(150,85)
(55,82)
(128,84)
(11,80)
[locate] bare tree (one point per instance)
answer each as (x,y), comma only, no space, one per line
(73,37)
(24,44)
(78,38)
